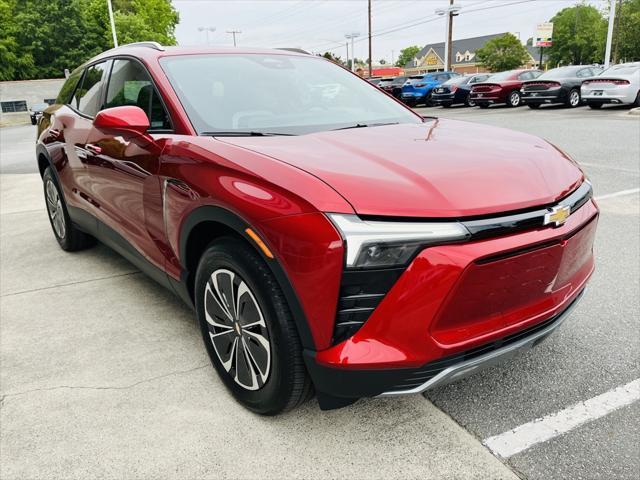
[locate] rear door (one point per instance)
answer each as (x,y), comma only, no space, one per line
(72,124)
(124,166)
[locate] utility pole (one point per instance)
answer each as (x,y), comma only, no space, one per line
(612,16)
(113,24)
(370,38)
(449,36)
(234,32)
(451,11)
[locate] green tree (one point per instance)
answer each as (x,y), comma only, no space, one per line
(37,42)
(579,36)
(14,63)
(503,53)
(627,35)
(406,55)
(333,57)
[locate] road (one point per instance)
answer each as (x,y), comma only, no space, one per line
(103,374)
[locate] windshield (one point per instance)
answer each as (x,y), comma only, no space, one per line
(276,94)
(559,73)
(621,70)
(500,76)
(399,80)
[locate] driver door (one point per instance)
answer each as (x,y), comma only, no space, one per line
(124,165)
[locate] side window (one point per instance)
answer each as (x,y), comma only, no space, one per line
(524,76)
(585,72)
(89,93)
(64,97)
(130,84)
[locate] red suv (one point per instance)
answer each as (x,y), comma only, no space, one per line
(328,237)
(503,87)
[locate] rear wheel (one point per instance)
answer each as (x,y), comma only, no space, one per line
(248,329)
(468,102)
(514,99)
(67,234)
(573,100)
(595,105)
(428,101)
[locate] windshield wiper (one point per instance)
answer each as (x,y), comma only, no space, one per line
(365,125)
(241,133)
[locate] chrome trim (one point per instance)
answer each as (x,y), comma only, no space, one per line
(465,368)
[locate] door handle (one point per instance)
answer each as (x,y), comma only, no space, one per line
(96,150)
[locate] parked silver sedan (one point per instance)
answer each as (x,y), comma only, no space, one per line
(618,84)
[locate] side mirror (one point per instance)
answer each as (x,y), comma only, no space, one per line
(123,119)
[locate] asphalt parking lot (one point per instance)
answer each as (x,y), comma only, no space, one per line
(103,374)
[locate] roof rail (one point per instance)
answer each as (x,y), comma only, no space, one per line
(154,45)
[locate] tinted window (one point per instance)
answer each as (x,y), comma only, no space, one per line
(89,94)
(130,84)
(525,76)
(276,93)
(500,76)
(562,72)
(585,72)
(441,78)
(69,86)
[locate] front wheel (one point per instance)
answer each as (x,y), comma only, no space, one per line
(573,100)
(514,99)
(248,329)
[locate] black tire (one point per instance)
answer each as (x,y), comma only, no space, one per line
(533,106)
(514,99)
(67,234)
(279,380)
(637,102)
(595,105)
(468,102)
(428,100)
(483,105)
(573,98)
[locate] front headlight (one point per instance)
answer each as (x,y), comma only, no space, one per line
(376,244)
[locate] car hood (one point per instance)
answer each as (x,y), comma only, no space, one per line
(442,168)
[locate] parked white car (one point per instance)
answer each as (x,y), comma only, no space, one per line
(619,84)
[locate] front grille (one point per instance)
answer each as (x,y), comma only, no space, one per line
(430,370)
(361,291)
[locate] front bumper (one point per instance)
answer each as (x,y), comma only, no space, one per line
(460,298)
(371,383)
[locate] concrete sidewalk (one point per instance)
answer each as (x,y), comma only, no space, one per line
(103,375)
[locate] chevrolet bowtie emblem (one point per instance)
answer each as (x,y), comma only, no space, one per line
(557,215)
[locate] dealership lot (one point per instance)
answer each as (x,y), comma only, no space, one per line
(103,373)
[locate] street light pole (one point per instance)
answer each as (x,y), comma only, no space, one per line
(612,16)
(352,36)
(113,24)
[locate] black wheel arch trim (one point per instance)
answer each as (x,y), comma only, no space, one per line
(210,213)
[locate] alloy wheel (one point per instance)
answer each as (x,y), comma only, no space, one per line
(237,329)
(54,208)
(574,98)
(514,99)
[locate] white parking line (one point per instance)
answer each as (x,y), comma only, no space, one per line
(542,429)
(618,194)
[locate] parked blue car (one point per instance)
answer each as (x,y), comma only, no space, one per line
(417,90)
